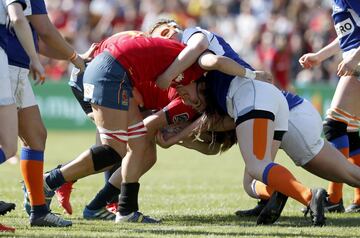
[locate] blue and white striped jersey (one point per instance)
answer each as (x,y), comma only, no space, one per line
(346,16)
(219,82)
(4,18)
(16,53)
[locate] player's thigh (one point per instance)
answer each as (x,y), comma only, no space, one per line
(8,110)
(347,95)
(303,140)
(110,122)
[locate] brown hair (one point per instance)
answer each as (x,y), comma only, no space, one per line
(161,22)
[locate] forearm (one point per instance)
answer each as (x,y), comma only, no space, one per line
(47,32)
(183,134)
(226,65)
(184,60)
(329,50)
(48,51)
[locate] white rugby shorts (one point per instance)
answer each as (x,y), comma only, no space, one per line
(6,97)
(302,142)
(246,95)
(21,88)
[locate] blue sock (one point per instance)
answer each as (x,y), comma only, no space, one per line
(266,172)
(2,156)
(30,154)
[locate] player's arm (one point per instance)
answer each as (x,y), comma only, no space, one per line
(196,45)
(313,59)
(209,61)
(23,32)
(53,39)
(154,122)
(187,134)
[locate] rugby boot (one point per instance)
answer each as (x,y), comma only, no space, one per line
(273,209)
(99,214)
(49,220)
(112,207)
(4,228)
(254,212)
(6,207)
(317,206)
(135,217)
(63,196)
(353,208)
(330,207)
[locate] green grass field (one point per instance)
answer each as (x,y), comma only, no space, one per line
(195,196)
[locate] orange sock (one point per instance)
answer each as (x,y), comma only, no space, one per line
(32,166)
(262,190)
(281,179)
(335,189)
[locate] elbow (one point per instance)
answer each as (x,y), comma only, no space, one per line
(45,29)
(18,20)
(210,62)
(202,46)
(43,32)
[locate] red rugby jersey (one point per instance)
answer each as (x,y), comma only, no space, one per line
(145,58)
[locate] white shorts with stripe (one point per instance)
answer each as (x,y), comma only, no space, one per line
(6,97)
(302,142)
(21,87)
(246,95)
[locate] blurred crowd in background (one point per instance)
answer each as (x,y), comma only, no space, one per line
(269,34)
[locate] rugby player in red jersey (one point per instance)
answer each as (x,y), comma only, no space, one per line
(127,60)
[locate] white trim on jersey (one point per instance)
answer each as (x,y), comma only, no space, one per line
(214,44)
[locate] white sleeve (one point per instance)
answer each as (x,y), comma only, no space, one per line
(188,32)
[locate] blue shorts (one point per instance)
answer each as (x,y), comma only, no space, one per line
(106,83)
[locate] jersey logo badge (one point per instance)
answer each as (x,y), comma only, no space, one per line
(344,28)
(124,98)
(183,117)
(88,90)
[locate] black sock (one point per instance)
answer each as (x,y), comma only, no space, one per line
(107,174)
(128,201)
(38,211)
(114,199)
(104,196)
(55,179)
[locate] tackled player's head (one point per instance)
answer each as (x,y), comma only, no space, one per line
(166,28)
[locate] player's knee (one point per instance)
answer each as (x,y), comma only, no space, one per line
(248,188)
(334,129)
(104,156)
(9,149)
